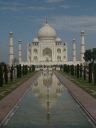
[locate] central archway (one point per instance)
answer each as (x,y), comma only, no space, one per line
(47,54)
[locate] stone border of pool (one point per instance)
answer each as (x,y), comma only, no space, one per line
(86,101)
(8,103)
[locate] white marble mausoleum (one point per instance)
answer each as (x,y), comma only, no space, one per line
(47,49)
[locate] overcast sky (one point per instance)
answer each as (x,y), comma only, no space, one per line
(25,17)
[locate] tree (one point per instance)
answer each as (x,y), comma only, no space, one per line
(1,75)
(20,71)
(11,73)
(81,70)
(5,74)
(17,67)
(30,69)
(93,55)
(66,68)
(88,55)
(72,70)
(90,73)
(84,72)
(23,71)
(77,70)
(33,68)
(94,74)
(17,70)
(26,69)
(61,66)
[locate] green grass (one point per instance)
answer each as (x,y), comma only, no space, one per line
(88,87)
(8,88)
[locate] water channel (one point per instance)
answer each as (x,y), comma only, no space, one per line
(47,104)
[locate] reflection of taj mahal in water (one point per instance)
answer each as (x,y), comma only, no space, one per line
(47,49)
(47,89)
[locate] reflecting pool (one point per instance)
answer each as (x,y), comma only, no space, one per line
(47,104)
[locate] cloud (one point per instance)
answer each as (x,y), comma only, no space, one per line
(54,1)
(69,6)
(23,7)
(39,8)
(75,23)
(7,3)
(65,6)
(17,6)
(10,6)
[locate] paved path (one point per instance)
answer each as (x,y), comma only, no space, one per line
(12,99)
(86,100)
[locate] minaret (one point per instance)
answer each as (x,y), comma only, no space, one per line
(20,51)
(74,51)
(11,52)
(29,54)
(82,47)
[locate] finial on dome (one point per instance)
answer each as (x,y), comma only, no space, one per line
(46,20)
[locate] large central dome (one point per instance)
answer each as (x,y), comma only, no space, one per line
(47,32)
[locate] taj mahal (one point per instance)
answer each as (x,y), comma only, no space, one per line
(47,49)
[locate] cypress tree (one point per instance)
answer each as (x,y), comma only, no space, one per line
(77,70)
(26,69)
(11,73)
(90,73)
(64,68)
(30,69)
(94,73)
(84,72)
(72,70)
(1,75)
(68,68)
(33,68)
(23,70)
(20,71)
(61,67)
(17,67)
(5,74)
(81,70)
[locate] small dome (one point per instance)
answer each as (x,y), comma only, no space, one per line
(35,40)
(58,39)
(47,32)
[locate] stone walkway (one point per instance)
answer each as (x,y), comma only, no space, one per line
(85,100)
(7,104)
